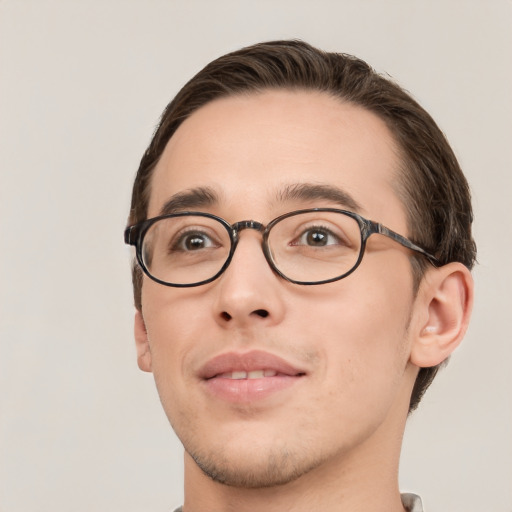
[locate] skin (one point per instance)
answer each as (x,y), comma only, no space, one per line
(331,441)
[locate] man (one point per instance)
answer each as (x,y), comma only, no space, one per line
(303,240)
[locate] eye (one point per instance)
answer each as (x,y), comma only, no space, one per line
(192,241)
(318,236)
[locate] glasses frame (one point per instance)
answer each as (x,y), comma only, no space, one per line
(134,235)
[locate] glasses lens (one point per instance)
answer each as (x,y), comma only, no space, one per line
(186,249)
(315,246)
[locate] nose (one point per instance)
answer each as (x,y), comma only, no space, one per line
(249,292)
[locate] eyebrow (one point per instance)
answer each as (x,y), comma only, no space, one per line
(201,197)
(194,198)
(314,191)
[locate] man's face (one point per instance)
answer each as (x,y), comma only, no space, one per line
(330,367)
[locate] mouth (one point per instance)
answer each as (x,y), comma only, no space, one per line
(253,374)
(247,377)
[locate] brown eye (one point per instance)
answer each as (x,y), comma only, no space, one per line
(192,241)
(318,237)
(195,242)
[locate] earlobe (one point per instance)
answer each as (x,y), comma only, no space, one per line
(445,300)
(142,343)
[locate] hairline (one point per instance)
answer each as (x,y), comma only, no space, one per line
(398,178)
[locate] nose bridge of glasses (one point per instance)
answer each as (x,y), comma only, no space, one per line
(247,224)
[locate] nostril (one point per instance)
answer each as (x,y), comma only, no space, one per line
(262,313)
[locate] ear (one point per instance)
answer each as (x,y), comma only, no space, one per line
(142,343)
(442,311)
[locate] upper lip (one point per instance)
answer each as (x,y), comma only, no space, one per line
(248,361)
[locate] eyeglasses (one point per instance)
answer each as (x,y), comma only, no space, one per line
(306,247)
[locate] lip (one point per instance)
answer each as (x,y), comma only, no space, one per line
(213,376)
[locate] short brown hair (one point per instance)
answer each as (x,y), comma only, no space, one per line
(431,184)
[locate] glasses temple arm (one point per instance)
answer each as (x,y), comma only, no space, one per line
(130,235)
(402,240)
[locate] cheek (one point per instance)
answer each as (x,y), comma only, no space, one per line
(173,323)
(172,326)
(361,326)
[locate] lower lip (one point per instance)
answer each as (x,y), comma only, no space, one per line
(249,390)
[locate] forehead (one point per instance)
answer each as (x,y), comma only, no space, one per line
(249,148)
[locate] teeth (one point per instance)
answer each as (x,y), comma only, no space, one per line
(255,374)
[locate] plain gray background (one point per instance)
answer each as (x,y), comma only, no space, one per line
(82,84)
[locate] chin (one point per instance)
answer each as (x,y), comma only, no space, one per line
(246,469)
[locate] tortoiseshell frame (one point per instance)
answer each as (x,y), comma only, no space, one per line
(134,235)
